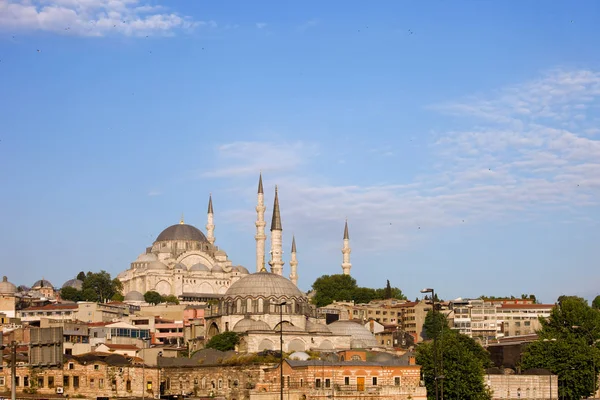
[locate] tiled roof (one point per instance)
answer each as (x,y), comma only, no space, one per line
(50,307)
(526,306)
(121,346)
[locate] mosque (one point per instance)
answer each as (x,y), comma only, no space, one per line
(259,306)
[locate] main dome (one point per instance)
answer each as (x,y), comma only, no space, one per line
(182,232)
(264,284)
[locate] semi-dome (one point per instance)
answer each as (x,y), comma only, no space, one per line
(146,257)
(180,267)
(312,327)
(182,232)
(248,324)
(157,265)
(6,287)
(199,267)
(74,283)
(361,337)
(134,295)
(217,268)
(241,270)
(41,283)
(264,284)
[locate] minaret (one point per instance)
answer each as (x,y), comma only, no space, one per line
(346,252)
(294,263)
(210,226)
(260,227)
(276,262)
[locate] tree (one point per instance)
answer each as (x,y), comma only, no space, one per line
(387,294)
(152,297)
(81,276)
(102,284)
(596,303)
(330,288)
(225,341)
(170,299)
(567,346)
(117,297)
(461,361)
(70,293)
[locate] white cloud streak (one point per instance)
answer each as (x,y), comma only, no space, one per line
(93,17)
(519,162)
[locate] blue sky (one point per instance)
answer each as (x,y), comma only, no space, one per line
(460,139)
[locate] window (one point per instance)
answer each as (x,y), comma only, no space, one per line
(327,382)
(91,382)
(25,381)
(114,384)
(220,383)
(75,382)
(40,382)
(148,385)
(128,385)
(17,380)
(301,382)
(346,380)
(374,381)
(396,381)
(51,382)
(317,383)
(101,383)
(2,381)
(66,381)
(355,358)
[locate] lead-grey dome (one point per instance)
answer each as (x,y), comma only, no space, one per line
(74,283)
(157,265)
(241,270)
(182,232)
(312,327)
(199,267)
(264,284)
(361,337)
(134,295)
(6,287)
(146,257)
(248,324)
(41,283)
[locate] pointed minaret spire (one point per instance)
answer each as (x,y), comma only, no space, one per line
(260,228)
(346,251)
(276,262)
(294,263)
(210,226)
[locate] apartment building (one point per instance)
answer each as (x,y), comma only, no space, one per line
(522,319)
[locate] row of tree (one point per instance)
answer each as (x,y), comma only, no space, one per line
(98,287)
(152,297)
(330,288)
(567,346)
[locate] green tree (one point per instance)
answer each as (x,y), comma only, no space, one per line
(81,276)
(170,299)
(225,341)
(89,294)
(460,360)
(330,288)
(596,303)
(71,294)
(387,294)
(102,284)
(152,297)
(567,346)
(117,297)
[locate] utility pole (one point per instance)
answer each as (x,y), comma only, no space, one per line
(13,370)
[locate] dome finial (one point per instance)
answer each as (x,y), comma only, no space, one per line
(181,222)
(4,279)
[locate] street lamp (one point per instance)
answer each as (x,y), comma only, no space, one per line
(435,364)
(144,340)
(283,303)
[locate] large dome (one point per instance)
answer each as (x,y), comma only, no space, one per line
(181,232)
(264,284)
(74,283)
(248,324)
(6,287)
(361,337)
(41,283)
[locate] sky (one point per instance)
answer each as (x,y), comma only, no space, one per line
(460,139)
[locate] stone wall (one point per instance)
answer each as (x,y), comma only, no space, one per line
(523,386)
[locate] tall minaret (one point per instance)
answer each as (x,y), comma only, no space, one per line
(294,263)
(346,252)
(210,226)
(276,262)
(260,227)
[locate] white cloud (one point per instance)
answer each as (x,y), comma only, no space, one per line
(518,163)
(93,17)
(261,25)
(308,24)
(154,193)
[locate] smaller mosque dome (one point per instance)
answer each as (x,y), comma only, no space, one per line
(361,337)
(287,327)
(41,283)
(248,324)
(134,295)
(146,257)
(266,285)
(157,265)
(299,355)
(217,268)
(312,327)
(6,287)
(241,270)
(199,267)
(74,283)
(180,266)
